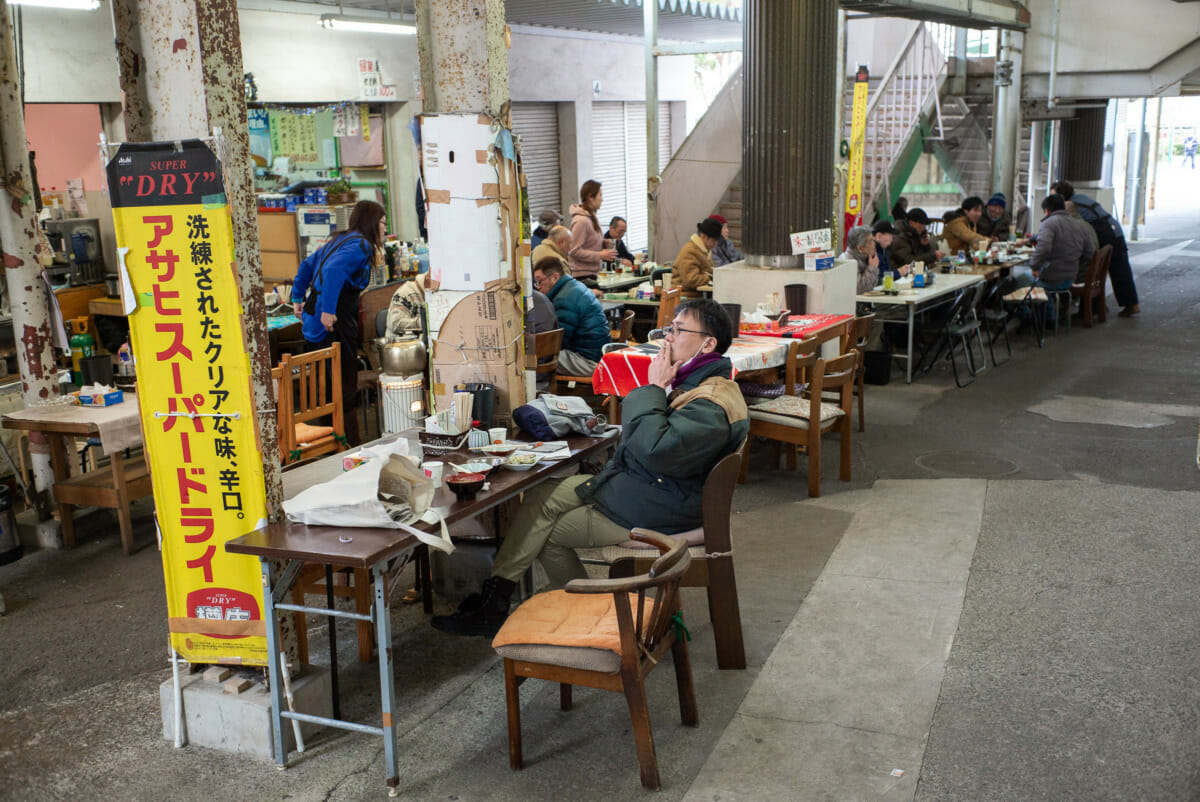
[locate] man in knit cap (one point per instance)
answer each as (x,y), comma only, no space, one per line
(996,221)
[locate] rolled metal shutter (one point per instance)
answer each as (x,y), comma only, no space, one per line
(537,126)
(635,174)
(608,159)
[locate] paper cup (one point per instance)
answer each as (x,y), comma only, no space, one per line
(497,435)
(433,471)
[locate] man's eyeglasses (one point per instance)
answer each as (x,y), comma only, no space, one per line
(673,330)
(537,282)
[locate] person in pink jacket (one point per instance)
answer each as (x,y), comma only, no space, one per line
(588,248)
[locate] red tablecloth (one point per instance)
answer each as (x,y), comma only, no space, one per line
(800,326)
(622,371)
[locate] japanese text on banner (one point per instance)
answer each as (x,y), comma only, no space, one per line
(195,395)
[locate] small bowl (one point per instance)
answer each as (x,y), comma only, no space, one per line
(465,485)
(522,462)
(479,465)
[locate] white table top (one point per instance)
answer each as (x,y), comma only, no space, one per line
(943,284)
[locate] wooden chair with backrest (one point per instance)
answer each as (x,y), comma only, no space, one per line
(606,634)
(546,345)
(313,384)
(1092,290)
(856,338)
(711,548)
(666,306)
(800,421)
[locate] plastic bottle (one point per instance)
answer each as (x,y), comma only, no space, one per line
(961,259)
(82,345)
(125,360)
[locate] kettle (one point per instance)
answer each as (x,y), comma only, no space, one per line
(403,357)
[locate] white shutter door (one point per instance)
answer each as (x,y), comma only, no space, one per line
(537,126)
(664,136)
(635,174)
(608,159)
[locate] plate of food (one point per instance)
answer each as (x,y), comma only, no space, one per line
(522,462)
(498,449)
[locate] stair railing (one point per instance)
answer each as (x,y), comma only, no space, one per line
(909,88)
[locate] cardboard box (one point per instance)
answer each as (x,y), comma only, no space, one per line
(821,260)
(481,341)
(98,399)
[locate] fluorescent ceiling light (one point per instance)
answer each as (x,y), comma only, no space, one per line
(340,22)
(73,5)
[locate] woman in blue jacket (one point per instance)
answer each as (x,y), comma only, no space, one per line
(333,277)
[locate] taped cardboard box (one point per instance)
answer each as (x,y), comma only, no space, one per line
(481,341)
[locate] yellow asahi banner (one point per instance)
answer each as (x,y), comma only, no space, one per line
(858,136)
(194,391)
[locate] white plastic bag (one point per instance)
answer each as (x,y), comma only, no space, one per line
(352,499)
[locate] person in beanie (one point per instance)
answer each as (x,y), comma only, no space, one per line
(675,429)
(547,220)
(724,253)
(996,222)
(693,266)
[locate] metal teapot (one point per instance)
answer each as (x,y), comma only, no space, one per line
(403,357)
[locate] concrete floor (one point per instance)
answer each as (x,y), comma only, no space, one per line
(999,606)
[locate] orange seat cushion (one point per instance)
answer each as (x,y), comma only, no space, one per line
(558,618)
(309,434)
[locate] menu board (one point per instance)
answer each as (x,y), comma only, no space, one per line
(294,135)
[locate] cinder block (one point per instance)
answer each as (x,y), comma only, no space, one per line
(242,722)
(217,674)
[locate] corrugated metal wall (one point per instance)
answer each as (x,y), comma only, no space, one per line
(790,66)
(537,125)
(619,162)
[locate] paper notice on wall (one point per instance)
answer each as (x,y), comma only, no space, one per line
(347,120)
(364,122)
(329,149)
(371,84)
(76,202)
(294,135)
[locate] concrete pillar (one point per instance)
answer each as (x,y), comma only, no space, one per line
(401,169)
(22,249)
(1007,124)
(1154,150)
(1110,139)
(790,63)
(1034,194)
(181,73)
(462,49)
(574,147)
(1139,173)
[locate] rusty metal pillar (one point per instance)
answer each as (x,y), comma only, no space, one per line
(28,294)
(462,47)
(181,71)
(790,66)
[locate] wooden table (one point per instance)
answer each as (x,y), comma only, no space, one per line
(945,287)
(124,481)
(377,551)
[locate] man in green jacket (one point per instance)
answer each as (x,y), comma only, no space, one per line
(676,428)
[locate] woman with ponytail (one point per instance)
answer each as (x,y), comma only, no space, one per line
(587,242)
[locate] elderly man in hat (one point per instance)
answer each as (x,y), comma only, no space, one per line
(547,220)
(996,222)
(724,253)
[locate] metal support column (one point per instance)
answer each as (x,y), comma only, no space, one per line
(650,34)
(790,53)
(28,296)
(1007,125)
(1139,172)
(1033,198)
(180,64)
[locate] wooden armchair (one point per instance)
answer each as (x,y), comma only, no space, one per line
(1091,291)
(614,634)
(856,338)
(311,383)
(711,549)
(800,421)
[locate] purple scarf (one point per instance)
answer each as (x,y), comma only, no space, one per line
(690,367)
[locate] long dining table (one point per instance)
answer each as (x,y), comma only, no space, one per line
(284,547)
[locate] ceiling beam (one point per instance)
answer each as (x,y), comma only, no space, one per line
(1007,14)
